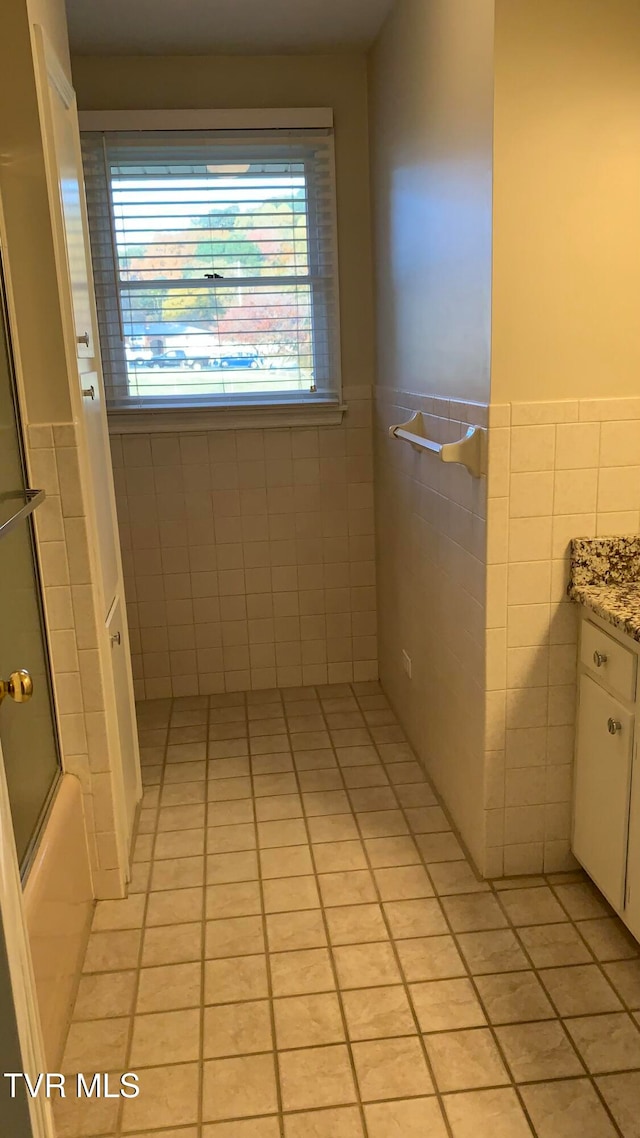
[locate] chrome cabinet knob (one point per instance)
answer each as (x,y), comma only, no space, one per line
(19,686)
(613,726)
(599,658)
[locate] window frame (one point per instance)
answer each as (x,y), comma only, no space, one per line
(259,409)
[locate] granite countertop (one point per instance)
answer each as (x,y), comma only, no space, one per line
(605,577)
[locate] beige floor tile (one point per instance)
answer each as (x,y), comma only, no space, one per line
(366,965)
(250,1128)
(229,769)
(625,977)
(228,748)
(186,752)
(303,929)
(465,1060)
(175,906)
(487,1114)
(474,912)
(287,832)
(302,971)
(427,820)
(178,843)
(96,1045)
(551,946)
(356,924)
(308,1021)
(606,1042)
(115,915)
(235,979)
(286,894)
(582,901)
(171,986)
(334,857)
(278,806)
(413,795)
(403,883)
(532,906)
(538,1051)
(234,936)
(163,1037)
(378,1015)
(382,823)
(234,813)
(391,1068)
(430,958)
(316,1077)
(321,803)
(384,852)
(84,1118)
(140,877)
(286,861)
(268,744)
(580,990)
(358,756)
(239,899)
(313,781)
(172,945)
(185,772)
(181,873)
(183,793)
(333,828)
(369,776)
(228,789)
(239,1088)
(415,918)
(455,877)
(105,994)
(281,783)
(568,1109)
(622,1095)
(168,1097)
(440,847)
(446,1005)
(608,939)
(497,951)
(408,1118)
(369,798)
(397,752)
(514,997)
(181,818)
(311,759)
(112,952)
(237,1029)
(341,1122)
(351,887)
(231,839)
(223,868)
(278,762)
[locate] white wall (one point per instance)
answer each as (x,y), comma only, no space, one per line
(431,99)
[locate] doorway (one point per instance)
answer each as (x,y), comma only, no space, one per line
(27,724)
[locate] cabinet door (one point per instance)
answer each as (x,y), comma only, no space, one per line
(602,786)
(632,907)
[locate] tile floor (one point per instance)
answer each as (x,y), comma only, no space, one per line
(306,953)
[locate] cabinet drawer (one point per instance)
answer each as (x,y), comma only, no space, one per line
(614,664)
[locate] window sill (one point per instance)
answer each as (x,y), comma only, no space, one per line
(182,420)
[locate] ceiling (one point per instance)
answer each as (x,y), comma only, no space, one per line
(203,27)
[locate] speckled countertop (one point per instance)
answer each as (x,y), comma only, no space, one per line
(605,576)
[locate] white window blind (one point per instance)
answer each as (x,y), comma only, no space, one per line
(214,257)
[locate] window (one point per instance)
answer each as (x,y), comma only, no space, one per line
(215,267)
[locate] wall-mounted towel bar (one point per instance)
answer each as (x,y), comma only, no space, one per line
(468,451)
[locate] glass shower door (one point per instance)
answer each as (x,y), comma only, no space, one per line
(27,727)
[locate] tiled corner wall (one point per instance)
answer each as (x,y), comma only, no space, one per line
(431,539)
(556,471)
(249,555)
(72,621)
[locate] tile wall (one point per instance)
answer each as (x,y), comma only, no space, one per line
(72,623)
(249,555)
(431,537)
(556,471)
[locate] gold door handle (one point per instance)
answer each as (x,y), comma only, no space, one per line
(19,686)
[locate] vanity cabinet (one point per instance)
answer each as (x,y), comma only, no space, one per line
(606,817)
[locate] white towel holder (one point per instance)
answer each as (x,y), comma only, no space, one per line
(468,451)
